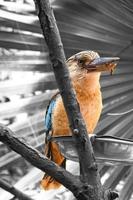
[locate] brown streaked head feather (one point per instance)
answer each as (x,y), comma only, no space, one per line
(90,61)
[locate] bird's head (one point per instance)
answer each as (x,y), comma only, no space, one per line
(86,63)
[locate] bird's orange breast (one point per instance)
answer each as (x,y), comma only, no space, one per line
(90,106)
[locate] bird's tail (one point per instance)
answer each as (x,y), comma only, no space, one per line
(52,152)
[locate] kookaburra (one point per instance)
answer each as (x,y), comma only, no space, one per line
(85,69)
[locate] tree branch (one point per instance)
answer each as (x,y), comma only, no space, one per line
(14,191)
(37,159)
(70,181)
(73,183)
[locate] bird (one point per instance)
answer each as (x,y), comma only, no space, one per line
(85,69)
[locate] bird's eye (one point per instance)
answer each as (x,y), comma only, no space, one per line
(81,61)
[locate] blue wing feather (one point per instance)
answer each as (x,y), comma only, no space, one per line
(48,115)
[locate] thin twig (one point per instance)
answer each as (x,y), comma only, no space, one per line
(17,193)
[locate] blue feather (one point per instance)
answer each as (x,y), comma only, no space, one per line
(48,116)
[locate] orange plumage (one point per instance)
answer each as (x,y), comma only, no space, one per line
(85,79)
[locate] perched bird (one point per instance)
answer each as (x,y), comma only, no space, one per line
(85,69)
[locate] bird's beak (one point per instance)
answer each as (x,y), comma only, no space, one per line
(102,64)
